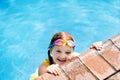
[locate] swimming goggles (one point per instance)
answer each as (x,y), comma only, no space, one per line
(63,42)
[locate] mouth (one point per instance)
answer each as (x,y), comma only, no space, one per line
(62,61)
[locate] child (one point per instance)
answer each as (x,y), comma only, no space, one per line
(60,50)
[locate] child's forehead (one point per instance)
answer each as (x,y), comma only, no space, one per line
(63,48)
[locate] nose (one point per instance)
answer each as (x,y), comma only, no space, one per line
(63,56)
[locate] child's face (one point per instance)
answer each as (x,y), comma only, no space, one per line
(61,54)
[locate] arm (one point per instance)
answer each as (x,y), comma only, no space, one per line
(38,72)
(42,69)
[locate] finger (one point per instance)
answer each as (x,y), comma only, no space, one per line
(53,69)
(49,69)
(98,45)
(92,46)
(57,70)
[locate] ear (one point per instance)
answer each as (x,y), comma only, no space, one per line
(51,54)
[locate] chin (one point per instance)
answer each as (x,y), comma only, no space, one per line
(61,63)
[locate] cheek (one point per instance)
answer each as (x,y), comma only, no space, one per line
(55,55)
(70,57)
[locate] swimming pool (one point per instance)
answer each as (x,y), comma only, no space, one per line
(26,28)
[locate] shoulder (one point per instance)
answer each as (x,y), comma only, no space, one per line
(42,68)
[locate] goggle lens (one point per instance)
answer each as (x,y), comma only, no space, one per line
(71,43)
(59,42)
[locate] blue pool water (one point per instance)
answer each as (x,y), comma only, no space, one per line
(26,27)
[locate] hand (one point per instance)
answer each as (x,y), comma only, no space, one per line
(96,45)
(53,69)
(38,78)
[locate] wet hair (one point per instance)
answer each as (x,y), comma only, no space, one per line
(59,35)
